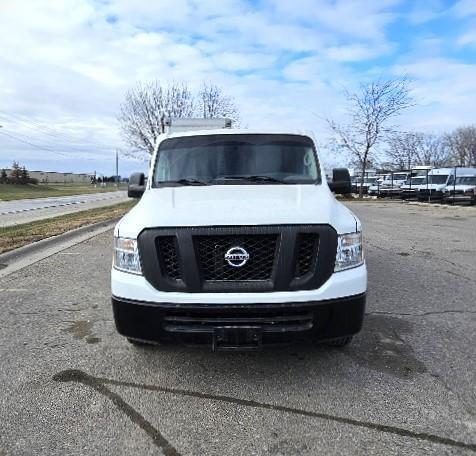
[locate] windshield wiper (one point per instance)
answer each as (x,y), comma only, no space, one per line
(184,181)
(251,179)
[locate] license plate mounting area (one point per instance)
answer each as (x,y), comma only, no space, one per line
(239,338)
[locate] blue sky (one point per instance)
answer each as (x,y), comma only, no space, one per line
(66,65)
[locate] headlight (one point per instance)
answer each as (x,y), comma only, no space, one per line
(349,251)
(126,256)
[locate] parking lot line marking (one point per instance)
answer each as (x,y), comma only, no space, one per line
(73,375)
(14,290)
(81,377)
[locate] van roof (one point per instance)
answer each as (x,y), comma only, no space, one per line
(238,131)
(459,171)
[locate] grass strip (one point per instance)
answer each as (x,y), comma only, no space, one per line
(10,192)
(12,237)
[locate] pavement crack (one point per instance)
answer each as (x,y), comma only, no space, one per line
(99,383)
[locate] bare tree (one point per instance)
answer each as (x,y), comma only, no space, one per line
(403,149)
(433,151)
(145,108)
(370,110)
(214,103)
(148,105)
(462,145)
(407,149)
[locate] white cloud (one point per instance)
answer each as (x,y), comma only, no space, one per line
(468,39)
(443,89)
(426,11)
(356,52)
(68,64)
(465,8)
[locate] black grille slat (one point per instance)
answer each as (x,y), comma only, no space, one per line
(307,252)
(169,256)
(268,321)
(248,320)
(212,250)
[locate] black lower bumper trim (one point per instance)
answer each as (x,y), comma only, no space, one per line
(197,323)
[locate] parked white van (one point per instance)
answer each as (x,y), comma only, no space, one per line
(409,189)
(374,189)
(462,190)
(389,185)
(438,180)
(238,241)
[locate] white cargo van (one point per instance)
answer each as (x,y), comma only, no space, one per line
(238,241)
(438,180)
(463,189)
(409,189)
(391,185)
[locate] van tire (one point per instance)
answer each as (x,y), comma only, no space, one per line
(340,342)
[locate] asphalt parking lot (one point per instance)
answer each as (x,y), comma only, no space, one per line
(70,385)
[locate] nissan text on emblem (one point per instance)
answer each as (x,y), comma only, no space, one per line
(237,257)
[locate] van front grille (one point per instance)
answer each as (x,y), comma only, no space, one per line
(278,257)
(261,249)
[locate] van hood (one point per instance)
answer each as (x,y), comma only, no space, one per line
(229,205)
(436,187)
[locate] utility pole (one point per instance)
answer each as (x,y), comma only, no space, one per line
(117,167)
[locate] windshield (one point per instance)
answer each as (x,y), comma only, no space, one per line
(261,158)
(420,172)
(438,179)
(415,181)
(400,176)
(466,180)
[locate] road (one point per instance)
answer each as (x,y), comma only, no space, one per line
(29,210)
(70,385)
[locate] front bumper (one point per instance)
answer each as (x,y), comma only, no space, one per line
(409,194)
(459,198)
(391,192)
(430,195)
(344,283)
(276,323)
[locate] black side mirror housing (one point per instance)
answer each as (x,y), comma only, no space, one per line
(136,187)
(340,181)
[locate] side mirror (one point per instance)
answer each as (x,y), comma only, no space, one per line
(340,181)
(136,186)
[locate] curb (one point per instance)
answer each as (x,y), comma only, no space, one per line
(29,254)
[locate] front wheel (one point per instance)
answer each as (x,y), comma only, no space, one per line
(340,341)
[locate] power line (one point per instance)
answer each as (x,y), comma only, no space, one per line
(46,130)
(50,134)
(32,144)
(46,148)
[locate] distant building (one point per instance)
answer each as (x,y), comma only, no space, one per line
(54,177)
